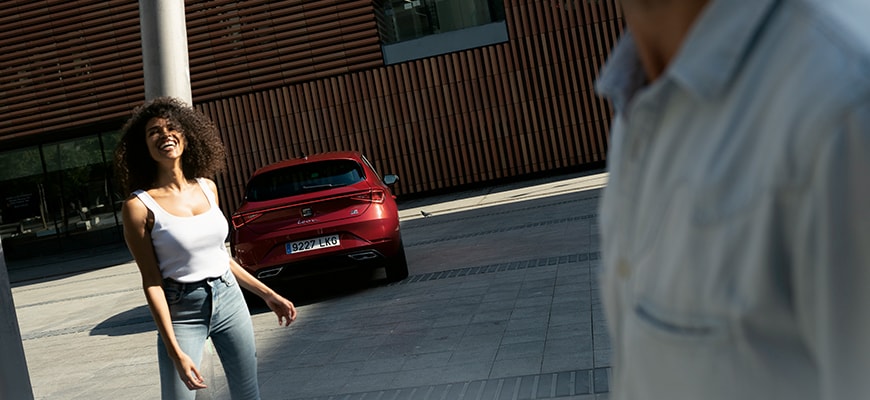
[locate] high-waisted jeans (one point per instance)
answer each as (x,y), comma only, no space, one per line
(212,308)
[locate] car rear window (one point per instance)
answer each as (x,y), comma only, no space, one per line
(304,178)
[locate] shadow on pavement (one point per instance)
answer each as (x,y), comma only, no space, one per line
(315,289)
(300,292)
(130,322)
(59,266)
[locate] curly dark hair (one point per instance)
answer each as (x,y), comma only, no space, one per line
(204,155)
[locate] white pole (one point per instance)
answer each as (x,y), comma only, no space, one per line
(14,378)
(164,49)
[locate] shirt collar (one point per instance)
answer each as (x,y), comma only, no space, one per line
(623,74)
(714,49)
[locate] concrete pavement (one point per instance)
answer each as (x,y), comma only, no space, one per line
(501,303)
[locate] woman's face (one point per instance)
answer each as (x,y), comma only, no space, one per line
(163,139)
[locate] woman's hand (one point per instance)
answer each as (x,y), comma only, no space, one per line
(282,307)
(189,374)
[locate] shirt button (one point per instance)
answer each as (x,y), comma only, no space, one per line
(622,269)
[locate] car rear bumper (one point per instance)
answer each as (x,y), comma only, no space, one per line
(358,259)
(371,255)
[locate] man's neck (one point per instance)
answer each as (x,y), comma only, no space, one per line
(659,28)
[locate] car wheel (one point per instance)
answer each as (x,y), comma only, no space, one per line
(397,268)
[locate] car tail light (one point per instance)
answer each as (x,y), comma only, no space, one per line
(374,196)
(241,219)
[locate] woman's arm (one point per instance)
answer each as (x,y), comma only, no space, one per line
(283,308)
(138,238)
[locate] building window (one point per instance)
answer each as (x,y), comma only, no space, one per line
(58,195)
(413,29)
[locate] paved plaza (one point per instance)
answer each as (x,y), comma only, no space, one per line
(501,304)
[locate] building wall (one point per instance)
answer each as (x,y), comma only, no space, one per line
(521,107)
(287,78)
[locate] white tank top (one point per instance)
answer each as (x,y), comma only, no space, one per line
(189,249)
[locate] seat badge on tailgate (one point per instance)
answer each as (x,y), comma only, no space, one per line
(307,212)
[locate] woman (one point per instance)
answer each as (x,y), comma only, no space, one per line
(176,232)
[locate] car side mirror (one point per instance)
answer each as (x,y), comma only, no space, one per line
(390,180)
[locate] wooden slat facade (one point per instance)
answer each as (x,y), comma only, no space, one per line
(285,78)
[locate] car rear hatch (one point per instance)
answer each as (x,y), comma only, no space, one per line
(304,196)
(308,212)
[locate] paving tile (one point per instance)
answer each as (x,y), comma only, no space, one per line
(533,334)
(492,316)
(556,362)
(517,366)
(475,355)
(523,321)
(520,350)
(571,330)
(483,328)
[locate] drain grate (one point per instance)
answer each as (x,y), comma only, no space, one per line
(504,229)
(465,218)
(500,267)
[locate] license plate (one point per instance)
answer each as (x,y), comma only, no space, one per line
(312,244)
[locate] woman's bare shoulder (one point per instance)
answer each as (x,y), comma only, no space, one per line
(132,206)
(210,183)
(211,186)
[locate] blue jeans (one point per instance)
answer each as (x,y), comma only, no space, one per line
(212,308)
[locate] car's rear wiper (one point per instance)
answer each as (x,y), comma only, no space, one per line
(320,186)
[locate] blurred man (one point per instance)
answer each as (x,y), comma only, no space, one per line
(736,221)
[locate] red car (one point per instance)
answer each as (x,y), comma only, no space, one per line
(318,214)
